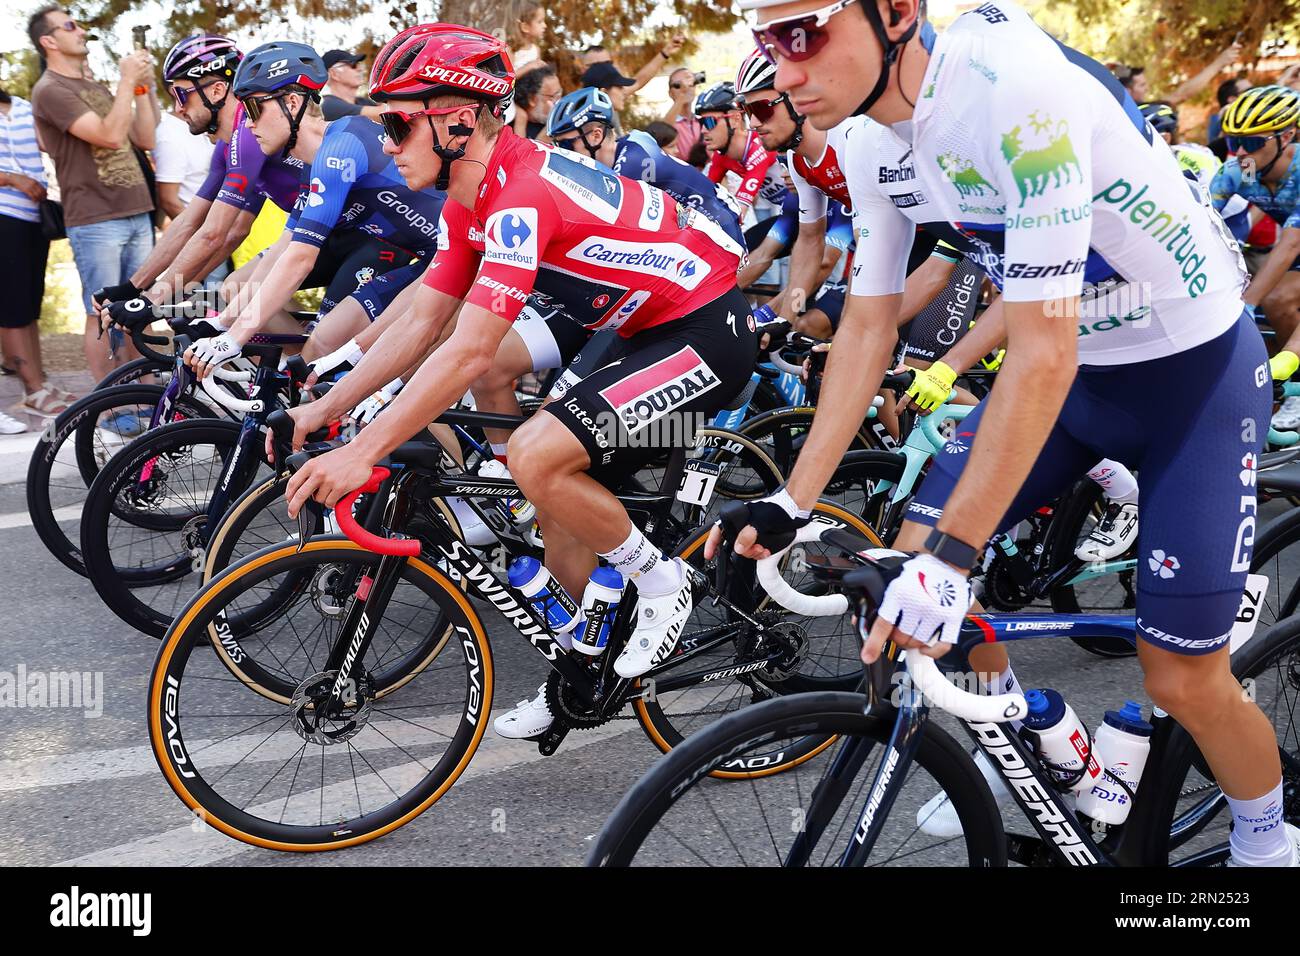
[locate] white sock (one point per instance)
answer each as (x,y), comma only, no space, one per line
(1116,481)
(1259,837)
(640,561)
(499,449)
(1006,683)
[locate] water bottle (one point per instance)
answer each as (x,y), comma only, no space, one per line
(545,594)
(1062,741)
(520,511)
(1123,743)
(599,602)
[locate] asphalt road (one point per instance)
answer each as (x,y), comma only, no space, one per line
(84,789)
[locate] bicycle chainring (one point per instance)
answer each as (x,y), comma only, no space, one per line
(565,704)
(1001,592)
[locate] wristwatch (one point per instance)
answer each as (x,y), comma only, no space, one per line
(952,550)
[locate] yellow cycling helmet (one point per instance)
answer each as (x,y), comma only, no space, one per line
(1264,109)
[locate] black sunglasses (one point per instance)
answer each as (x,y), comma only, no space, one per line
(1251,144)
(253,105)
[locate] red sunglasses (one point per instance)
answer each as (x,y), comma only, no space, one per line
(764,110)
(397,125)
(799,37)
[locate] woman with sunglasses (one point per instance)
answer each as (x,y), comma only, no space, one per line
(1033,162)
(1260,132)
(521,219)
(360,220)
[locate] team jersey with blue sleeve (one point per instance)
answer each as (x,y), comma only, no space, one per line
(354,185)
(639,157)
(1282,204)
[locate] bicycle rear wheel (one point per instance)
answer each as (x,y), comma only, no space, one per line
(676,815)
(281,774)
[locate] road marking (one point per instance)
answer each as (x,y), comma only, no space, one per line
(193,846)
(23,519)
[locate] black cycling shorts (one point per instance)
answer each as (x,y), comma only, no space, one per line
(349,259)
(657,387)
(942,323)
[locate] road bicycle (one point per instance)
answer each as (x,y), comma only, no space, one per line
(326,690)
(858,803)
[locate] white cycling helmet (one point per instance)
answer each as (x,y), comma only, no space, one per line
(756,73)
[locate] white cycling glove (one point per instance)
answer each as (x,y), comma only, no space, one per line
(928,600)
(218,349)
(344,358)
(365,413)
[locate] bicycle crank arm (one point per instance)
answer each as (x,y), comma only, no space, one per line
(550,739)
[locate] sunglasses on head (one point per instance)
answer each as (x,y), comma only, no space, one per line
(397,125)
(799,37)
(1251,144)
(253,105)
(764,110)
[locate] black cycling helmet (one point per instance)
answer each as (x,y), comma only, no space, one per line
(718,98)
(1162,117)
(275,66)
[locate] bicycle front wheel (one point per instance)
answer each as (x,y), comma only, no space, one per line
(678,815)
(283,774)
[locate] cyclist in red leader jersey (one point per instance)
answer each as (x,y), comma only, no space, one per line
(521,219)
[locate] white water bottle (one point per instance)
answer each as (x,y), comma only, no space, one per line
(1124,742)
(599,602)
(521,510)
(1062,741)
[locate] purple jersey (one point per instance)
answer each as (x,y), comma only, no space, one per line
(240,174)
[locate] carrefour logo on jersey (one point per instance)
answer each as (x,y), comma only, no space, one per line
(668,260)
(510,237)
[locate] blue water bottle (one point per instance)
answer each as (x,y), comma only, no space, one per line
(599,602)
(545,594)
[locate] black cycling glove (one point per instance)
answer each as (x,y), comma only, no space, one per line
(133,313)
(116,293)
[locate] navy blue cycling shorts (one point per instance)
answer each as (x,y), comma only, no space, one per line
(1192,425)
(377,292)
(831,302)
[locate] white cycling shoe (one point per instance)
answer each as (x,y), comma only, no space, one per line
(1294,833)
(1113,535)
(939,817)
(528,719)
(1287,418)
(659,624)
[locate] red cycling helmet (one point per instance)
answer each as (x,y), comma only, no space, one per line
(435,59)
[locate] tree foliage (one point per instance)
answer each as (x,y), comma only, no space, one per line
(1173,39)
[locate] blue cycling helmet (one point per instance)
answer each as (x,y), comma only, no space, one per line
(718,98)
(275,66)
(1162,117)
(575,110)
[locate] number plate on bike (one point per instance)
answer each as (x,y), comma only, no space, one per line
(1252,602)
(698,481)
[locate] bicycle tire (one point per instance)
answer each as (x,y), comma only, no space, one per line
(184,768)
(49,479)
(1072,511)
(120,586)
(684,770)
(780,433)
(1282,599)
(132,372)
(1279,647)
(228,545)
(667,729)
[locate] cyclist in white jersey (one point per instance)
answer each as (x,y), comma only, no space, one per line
(1037,164)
